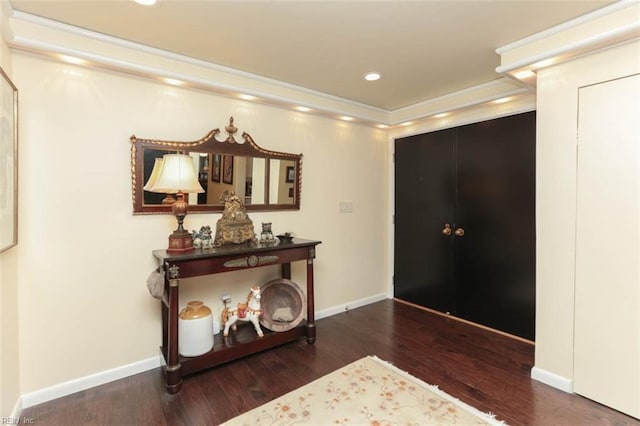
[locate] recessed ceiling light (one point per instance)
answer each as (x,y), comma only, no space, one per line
(441,115)
(382,126)
(248,97)
(346,118)
(146,2)
(372,76)
(303,109)
(406,123)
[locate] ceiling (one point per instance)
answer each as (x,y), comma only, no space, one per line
(423,49)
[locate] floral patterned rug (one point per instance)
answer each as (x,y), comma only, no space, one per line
(367,392)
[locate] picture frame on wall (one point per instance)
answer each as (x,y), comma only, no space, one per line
(227,169)
(216,167)
(203,168)
(291,174)
(8,163)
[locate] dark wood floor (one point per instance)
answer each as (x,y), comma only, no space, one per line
(484,369)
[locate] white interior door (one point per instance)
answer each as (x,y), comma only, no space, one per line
(607,301)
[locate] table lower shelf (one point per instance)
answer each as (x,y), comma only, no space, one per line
(238,344)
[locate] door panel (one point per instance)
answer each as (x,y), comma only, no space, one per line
(480,179)
(424,202)
(607,299)
(496,208)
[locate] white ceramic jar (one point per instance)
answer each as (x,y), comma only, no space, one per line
(195,329)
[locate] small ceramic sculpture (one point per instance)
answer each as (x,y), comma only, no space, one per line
(202,238)
(266,237)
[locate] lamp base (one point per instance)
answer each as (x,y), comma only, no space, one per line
(180,242)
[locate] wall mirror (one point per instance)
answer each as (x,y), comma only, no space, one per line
(8,163)
(265,180)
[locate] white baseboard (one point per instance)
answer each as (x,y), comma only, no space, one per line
(551,379)
(17,410)
(82,383)
(324,313)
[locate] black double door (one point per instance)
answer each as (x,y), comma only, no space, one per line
(465,222)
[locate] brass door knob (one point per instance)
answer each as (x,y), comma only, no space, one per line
(459,232)
(447,229)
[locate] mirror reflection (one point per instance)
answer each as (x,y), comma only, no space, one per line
(281,180)
(265,180)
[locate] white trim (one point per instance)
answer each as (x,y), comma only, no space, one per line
(338,309)
(567,25)
(322,104)
(17,410)
(368,114)
(72,386)
(463,105)
(458,94)
(478,114)
(551,379)
(62,389)
(92,35)
(606,38)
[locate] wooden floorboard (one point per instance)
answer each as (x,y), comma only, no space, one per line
(487,370)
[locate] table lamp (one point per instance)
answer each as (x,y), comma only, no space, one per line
(155,172)
(177,175)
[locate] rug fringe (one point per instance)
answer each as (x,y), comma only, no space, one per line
(490,417)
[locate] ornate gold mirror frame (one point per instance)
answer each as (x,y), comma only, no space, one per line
(265,180)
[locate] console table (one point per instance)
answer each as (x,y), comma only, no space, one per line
(228,259)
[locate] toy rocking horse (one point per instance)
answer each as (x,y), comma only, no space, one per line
(248,311)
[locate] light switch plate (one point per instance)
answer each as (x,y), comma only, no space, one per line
(345,207)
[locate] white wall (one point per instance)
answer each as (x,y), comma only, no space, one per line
(9,354)
(556,200)
(83,258)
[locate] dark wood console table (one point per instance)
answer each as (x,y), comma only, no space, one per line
(227,259)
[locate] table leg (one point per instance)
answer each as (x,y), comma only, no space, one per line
(286,270)
(311,323)
(164,310)
(173,368)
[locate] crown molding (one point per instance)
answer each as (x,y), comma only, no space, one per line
(604,28)
(41,36)
(133,46)
(474,113)
(573,23)
(462,99)
(36,35)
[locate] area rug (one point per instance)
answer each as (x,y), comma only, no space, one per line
(366,392)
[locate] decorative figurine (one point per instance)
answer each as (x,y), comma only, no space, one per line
(202,238)
(234,227)
(266,236)
(248,311)
(287,237)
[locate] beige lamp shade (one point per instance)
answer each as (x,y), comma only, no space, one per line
(176,174)
(157,167)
